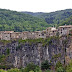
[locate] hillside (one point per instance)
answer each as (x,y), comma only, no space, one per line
(17,21)
(57,17)
(28,21)
(67,21)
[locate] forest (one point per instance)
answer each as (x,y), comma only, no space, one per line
(28,21)
(16,21)
(56,18)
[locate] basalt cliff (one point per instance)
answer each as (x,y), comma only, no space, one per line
(19,53)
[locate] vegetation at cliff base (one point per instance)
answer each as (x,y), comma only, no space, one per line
(59,67)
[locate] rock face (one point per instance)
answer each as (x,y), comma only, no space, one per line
(21,54)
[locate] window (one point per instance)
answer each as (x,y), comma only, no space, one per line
(39,35)
(42,34)
(53,31)
(63,28)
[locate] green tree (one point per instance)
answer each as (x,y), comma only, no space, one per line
(14,70)
(69,67)
(31,71)
(1,70)
(60,69)
(32,67)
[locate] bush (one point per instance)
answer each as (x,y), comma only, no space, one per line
(60,69)
(1,70)
(31,71)
(14,70)
(69,67)
(31,67)
(58,64)
(45,65)
(48,70)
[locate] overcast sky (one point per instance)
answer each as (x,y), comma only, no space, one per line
(36,5)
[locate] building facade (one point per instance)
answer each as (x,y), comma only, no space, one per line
(50,31)
(64,30)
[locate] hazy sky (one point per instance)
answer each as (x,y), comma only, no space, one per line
(36,5)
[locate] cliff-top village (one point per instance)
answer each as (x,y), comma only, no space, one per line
(50,31)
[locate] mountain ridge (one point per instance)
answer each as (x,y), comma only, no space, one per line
(56,17)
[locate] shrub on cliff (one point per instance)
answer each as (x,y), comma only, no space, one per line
(69,67)
(45,65)
(8,51)
(59,67)
(48,70)
(58,64)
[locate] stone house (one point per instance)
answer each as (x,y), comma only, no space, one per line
(64,30)
(16,35)
(27,35)
(6,35)
(31,35)
(24,35)
(38,34)
(43,34)
(51,31)
(1,32)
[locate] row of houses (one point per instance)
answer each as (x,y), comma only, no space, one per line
(50,31)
